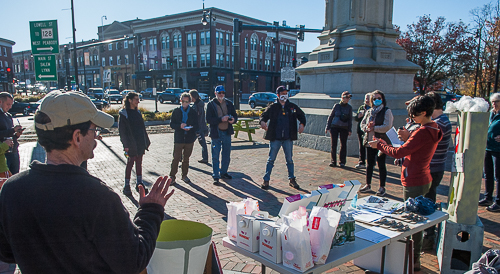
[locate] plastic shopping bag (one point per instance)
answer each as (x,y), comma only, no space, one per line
(295,241)
(323,224)
(247,206)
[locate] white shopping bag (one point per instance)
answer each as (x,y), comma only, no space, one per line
(322,227)
(295,241)
(247,206)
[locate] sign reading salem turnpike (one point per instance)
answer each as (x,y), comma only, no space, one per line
(44,37)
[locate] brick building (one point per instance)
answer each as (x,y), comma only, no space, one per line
(5,62)
(179,51)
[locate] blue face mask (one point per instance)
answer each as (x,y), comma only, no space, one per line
(377,102)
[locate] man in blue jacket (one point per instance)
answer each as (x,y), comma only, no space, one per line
(221,116)
(281,132)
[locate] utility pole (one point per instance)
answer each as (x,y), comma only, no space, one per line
(74,46)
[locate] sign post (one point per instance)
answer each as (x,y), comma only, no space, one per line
(45,67)
(44,37)
(288,74)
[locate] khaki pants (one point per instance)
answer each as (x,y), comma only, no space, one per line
(181,151)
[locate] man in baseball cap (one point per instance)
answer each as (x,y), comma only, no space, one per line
(75,222)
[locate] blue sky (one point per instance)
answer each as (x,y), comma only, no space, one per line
(17,14)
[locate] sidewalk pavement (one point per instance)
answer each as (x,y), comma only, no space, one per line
(203,202)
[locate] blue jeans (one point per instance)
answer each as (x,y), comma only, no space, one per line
(13,161)
(492,175)
(274,147)
(224,143)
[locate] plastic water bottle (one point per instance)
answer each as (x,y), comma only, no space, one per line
(354,201)
(351,227)
(340,235)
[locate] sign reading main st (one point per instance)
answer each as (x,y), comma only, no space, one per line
(44,38)
(45,67)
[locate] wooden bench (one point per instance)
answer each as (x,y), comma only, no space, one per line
(244,127)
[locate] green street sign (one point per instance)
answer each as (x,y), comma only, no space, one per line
(44,38)
(45,67)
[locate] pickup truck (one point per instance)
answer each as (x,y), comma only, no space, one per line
(170,94)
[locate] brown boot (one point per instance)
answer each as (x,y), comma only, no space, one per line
(265,185)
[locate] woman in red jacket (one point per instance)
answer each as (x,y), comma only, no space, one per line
(417,151)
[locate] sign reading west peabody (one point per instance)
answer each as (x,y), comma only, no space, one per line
(44,37)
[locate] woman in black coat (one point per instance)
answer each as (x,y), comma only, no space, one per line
(339,124)
(134,138)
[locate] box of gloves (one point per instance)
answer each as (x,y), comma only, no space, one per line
(249,230)
(293,203)
(340,195)
(270,241)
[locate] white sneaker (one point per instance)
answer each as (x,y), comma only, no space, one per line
(360,166)
(365,188)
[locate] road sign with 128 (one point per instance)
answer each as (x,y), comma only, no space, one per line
(44,37)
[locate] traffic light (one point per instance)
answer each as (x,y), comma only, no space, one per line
(294,62)
(10,74)
(170,61)
(300,34)
(238,25)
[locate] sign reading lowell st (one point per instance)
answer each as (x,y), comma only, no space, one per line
(44,37)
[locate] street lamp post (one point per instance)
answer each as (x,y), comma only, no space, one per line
(102,26)
(207,18)
(74,46)
(477,59)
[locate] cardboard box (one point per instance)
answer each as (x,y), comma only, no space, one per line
(340,195)
(270,241)
(249,232)
(292,203)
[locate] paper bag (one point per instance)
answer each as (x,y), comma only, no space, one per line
(322,227)
(295,241)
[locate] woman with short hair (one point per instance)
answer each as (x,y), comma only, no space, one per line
(492,158)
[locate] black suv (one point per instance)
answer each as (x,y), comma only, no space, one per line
(170,94)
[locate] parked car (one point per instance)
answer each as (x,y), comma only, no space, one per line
(99,104)
(293,92)
(170,94)
(98,93)
(449,96)
(113,95)
(126,91)
(147,92)
(262,99)
(24,108)
(203,96)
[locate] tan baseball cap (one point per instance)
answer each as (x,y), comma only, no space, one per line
(71,108)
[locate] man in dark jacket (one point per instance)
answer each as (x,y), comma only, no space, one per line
(281,132)
(202,132)
(57,218)
(8,130)
(185,123)
(221,116)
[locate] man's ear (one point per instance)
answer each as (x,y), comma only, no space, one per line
(77,137)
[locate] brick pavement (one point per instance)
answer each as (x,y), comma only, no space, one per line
(203,202)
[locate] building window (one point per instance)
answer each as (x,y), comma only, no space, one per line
(151,64)
(260,64)
(110,46)
(117,45)
(217,37)
(168,42)
(195,62)
(221,39)
(150,44)
(188,43)
(208,60)
(103,61)
(110,60)
(246,62)
(217,59)
(202,38)
(179,41)
(179,61)
(207,34)
(222,60)
(194,40)
(4,51)
(189,64)
(227,61)
(202,60)
(163,44)
(246,43)
(227,39)
(125,44)
(260,44)
(143,45)
(118,60)
(274,65)
(175,41)
(154,43)
(126,59)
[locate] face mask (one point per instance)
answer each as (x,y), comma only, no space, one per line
(284,97)
(377,102)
